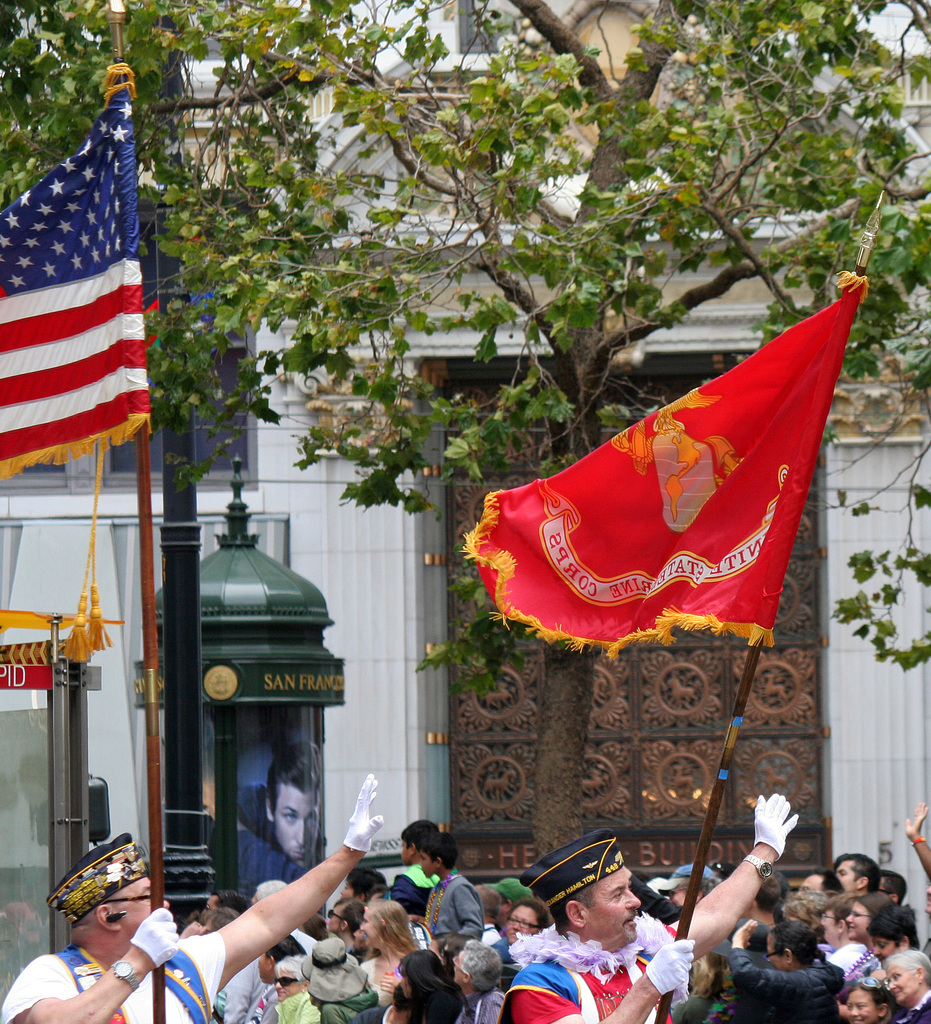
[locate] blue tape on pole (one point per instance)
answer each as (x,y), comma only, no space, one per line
(722,774)
(738,722)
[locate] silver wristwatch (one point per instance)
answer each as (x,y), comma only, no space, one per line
(124,971)
(763,866)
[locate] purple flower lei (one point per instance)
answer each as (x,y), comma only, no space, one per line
(591,957)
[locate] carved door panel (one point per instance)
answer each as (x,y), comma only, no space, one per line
(655,733)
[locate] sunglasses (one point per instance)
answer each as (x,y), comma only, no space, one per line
(871,983)
(286,981)
(339,917)
(132,899)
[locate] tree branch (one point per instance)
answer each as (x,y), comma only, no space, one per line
(738,238)
(416,170)
(723,281)
(563,40)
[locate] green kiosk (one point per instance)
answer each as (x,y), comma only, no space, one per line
(266,679)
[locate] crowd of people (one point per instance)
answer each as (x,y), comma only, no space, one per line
(842,945)
(577,939)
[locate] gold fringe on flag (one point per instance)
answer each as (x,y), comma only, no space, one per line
(119,77)
(846,279)
(505,565)
(86,638)
(61,453)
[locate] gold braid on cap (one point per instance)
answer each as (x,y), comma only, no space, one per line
(90,886)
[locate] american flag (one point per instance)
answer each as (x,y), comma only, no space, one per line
(72,344)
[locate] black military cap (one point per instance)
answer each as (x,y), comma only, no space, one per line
(97,876)
(562,873)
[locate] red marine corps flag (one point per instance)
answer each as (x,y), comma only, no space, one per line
(685,519)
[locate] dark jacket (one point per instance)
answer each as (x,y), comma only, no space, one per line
(412,890)
(442,1008)
(922,1017)
(806,996)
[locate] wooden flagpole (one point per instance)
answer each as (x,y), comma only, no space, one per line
(714,805)
(150,664)
(116,16)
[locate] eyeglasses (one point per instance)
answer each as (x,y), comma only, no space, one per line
(769,956)
(523,924)
(828,917)
(339,917)
(132,899)
(286,981)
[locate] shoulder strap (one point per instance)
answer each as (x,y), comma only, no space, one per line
(183,977)
(84,970)
(587,1006)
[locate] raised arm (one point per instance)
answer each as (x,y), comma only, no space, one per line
(913,831)
(266,923)
(717,914)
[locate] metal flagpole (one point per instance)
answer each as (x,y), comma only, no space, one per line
(116,16)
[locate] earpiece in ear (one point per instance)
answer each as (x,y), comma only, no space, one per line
(118,916)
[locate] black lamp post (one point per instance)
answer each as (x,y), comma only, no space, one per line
(188,869)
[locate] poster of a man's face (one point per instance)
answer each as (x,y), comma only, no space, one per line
(279,793)
(291,804)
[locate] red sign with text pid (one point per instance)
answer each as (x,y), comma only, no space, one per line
(25,677)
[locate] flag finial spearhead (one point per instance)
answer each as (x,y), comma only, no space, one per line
(116,15)
(868,238)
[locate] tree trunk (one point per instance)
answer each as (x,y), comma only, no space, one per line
(564,706)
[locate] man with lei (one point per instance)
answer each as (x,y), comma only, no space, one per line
(601,961)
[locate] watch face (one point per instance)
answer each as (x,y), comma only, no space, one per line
(766,869)
(124,972)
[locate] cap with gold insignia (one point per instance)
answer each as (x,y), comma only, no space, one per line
(97,876)
(562,873)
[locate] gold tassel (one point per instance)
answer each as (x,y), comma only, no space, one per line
(76,644)
(97,633)
(83,641)
(846,279)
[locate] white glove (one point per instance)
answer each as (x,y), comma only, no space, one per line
(769,822)
(157,936)
(669,968)
(361,825)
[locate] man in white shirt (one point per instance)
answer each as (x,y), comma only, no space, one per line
(105,975)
